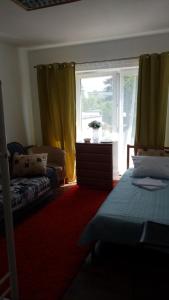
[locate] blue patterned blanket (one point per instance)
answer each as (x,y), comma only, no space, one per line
(121,217)
(25,191)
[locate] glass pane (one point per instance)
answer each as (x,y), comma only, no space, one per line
(127,116)
(97,104)
(129,108)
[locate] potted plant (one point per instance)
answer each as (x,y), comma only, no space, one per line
(95,125)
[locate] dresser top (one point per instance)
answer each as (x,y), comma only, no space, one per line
(103,143)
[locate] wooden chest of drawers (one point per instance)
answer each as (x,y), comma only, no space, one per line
(94,165)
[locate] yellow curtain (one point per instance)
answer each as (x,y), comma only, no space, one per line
(152,100)
(56,87)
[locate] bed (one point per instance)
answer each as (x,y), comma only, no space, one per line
(123,214)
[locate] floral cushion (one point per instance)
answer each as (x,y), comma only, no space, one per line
(29,165)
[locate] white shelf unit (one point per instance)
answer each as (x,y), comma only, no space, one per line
(11,292)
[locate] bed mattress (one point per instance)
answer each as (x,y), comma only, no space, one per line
(121,217)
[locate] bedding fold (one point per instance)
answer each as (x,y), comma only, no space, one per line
(149,183)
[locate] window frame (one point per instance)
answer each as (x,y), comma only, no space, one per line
(117,75)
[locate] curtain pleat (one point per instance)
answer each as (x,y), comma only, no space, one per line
(152,100)
(56,86)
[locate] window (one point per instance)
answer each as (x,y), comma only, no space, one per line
(109,96)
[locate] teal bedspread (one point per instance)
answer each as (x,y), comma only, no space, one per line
(121,216)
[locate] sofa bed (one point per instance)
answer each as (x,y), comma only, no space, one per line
(36,172)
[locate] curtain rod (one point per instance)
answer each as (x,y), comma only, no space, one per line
(116,59)
(107,60)
(102,61)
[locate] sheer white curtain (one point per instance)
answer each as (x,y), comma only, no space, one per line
(128,95)
(122,103)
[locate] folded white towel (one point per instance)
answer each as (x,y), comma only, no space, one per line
(149,183)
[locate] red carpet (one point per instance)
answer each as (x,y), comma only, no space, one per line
(47,253)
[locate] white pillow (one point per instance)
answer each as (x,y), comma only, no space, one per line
(151,166)
(139,158)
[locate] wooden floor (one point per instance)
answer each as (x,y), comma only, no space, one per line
(122,273)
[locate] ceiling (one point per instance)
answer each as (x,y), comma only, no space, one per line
(82,22)
(37,4)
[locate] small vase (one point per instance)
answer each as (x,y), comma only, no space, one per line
(95,135)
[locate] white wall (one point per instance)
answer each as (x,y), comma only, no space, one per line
(11,89)
(26,96)
(123,48)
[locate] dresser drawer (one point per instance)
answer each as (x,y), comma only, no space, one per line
(92,173)
(93,148)
(94,157)
(101,183)
(94,165)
